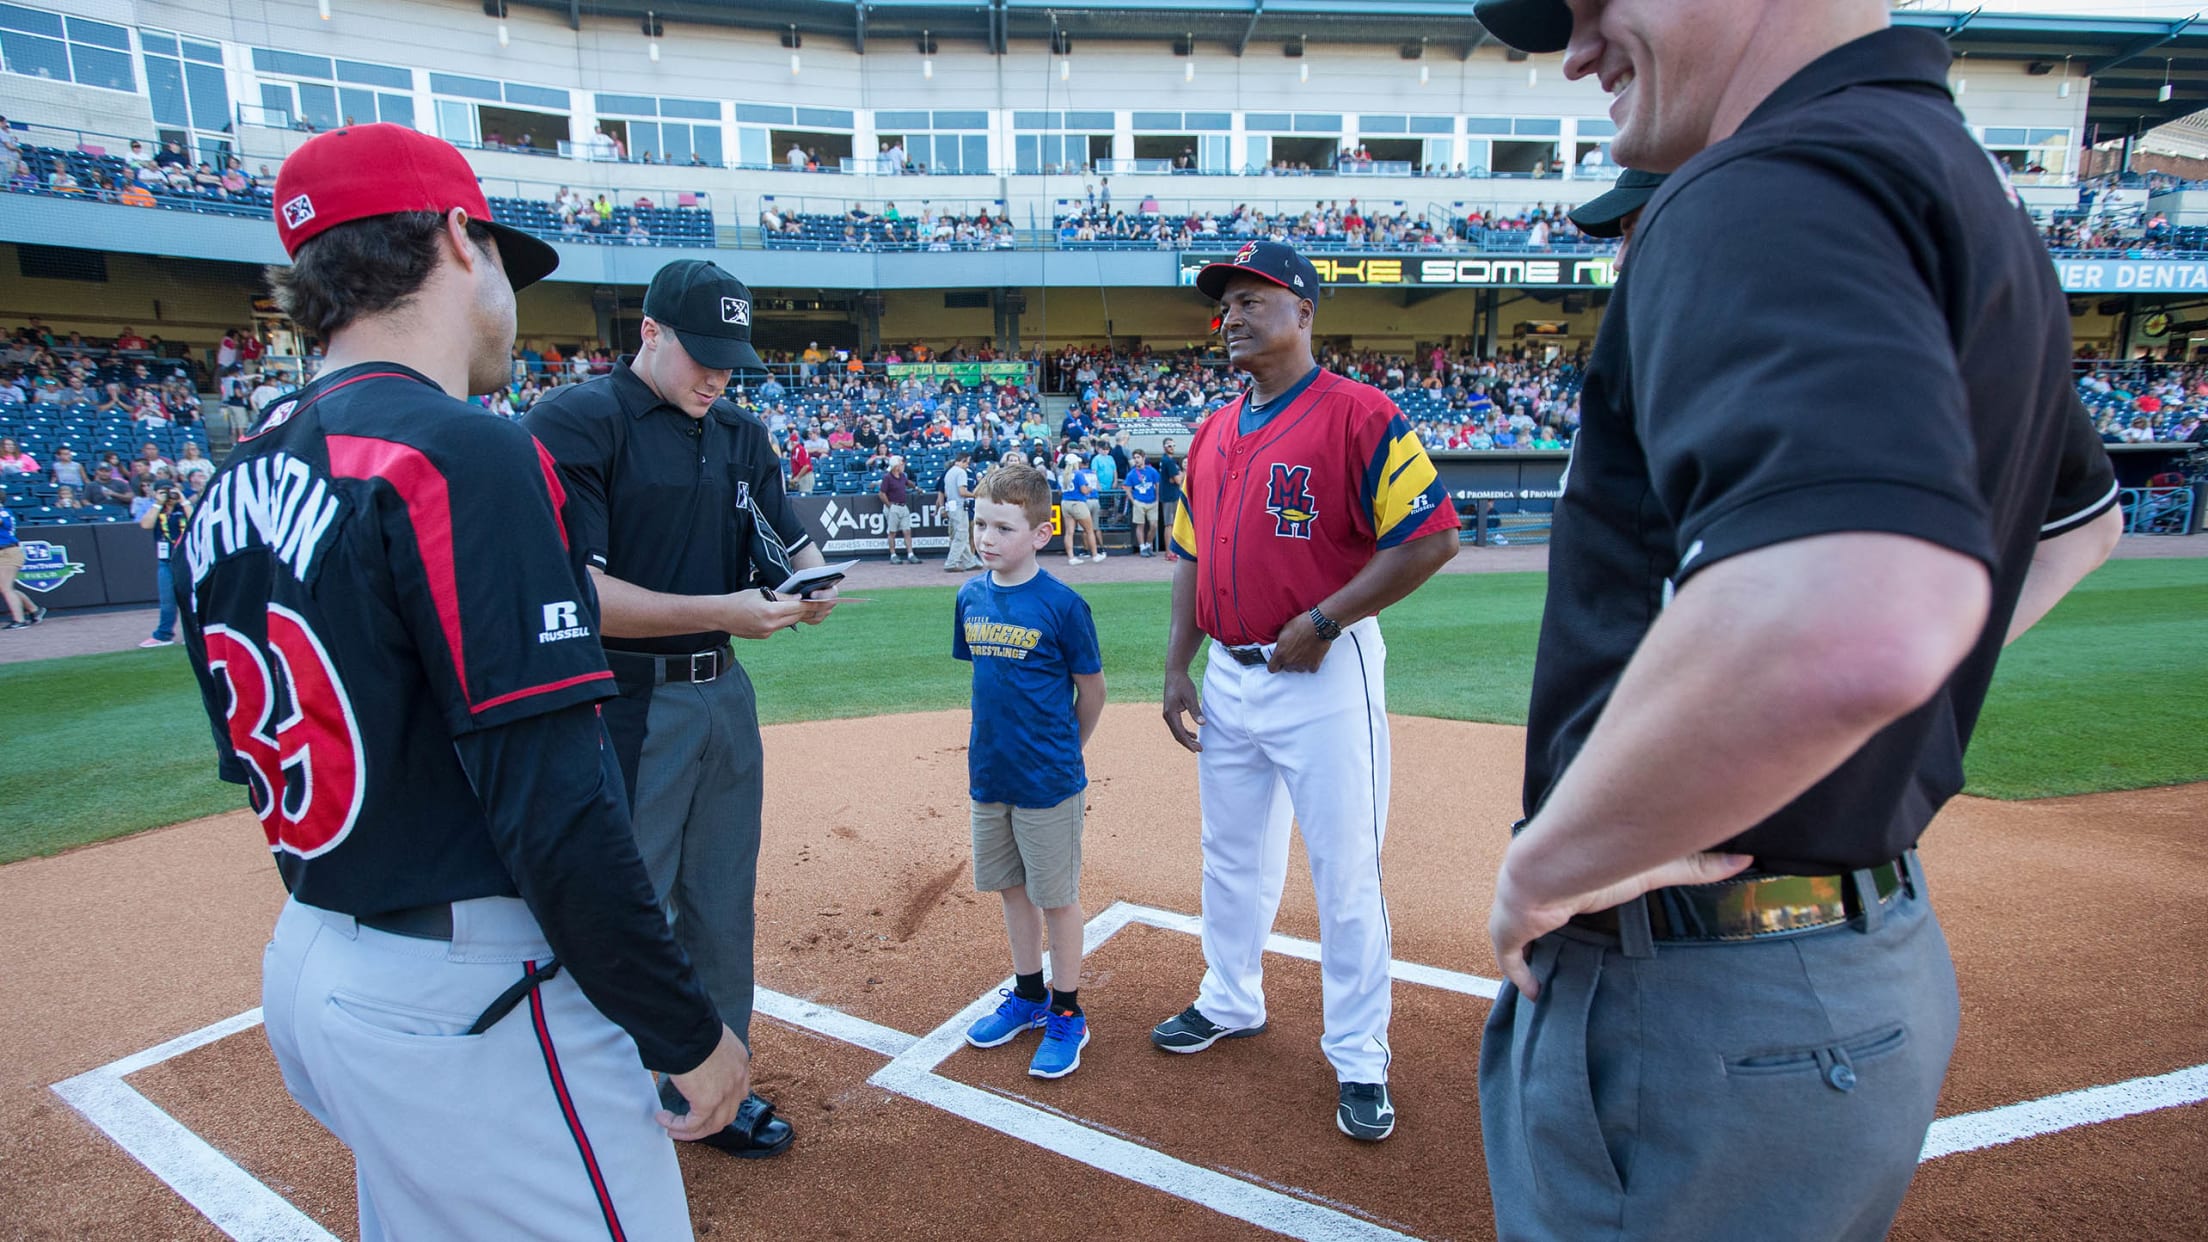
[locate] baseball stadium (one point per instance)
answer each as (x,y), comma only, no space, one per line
(663,457)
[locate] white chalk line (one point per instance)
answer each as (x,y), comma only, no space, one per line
(249,1211)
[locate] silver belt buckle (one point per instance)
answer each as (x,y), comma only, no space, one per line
(713,667)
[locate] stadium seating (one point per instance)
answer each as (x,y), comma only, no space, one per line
(666,226)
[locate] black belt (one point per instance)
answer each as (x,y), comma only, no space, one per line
(1758,906)
(696,666)
(434,922)
(1252,656)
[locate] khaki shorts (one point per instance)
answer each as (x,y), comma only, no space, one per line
(1076,513)
(11,557)
(1037,848)
(1145,513)
(898,518)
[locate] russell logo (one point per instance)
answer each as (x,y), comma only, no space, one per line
(46,566)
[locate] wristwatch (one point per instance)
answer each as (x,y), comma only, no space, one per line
(1325,625)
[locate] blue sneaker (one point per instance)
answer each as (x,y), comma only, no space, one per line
(1016,1015)
(1064,1036)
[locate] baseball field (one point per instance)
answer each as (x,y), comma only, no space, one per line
(143,1102)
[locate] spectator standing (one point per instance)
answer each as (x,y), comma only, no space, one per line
(23,611)
(799,460)
(67,471)
(1169,495)
(1077,505)
(896,492)
(958,508)
(1142,503)
(168,519)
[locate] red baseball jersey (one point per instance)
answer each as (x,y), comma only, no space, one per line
(1281,518)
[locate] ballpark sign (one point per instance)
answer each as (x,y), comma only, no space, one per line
(1479,271)
(46,566)
(2132,275)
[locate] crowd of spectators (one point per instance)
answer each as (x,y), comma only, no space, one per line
(2143,402)
(142,178)
(859,229)
(1329,224)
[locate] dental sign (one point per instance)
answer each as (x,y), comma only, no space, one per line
(2132,275)
(1490,271)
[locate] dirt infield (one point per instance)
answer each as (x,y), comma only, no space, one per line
(2076,927)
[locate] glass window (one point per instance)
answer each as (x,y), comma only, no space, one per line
(2041,137)
(1318,123)
(675,143)
(1167,122)
(962,120)
(165,88)
(1038,120)
(900,120)
(375,75)
(974,153)
(1212,154)
(465,88)
(204,53)
(536,96)
(318,104)
(214,149)
(30,21)
(1216,121)
(1592,128)
(1433,125)
(705,142)
(157,44)
(98,66)
(1027,153)
(99,34)
(764,114)
(34,57)
(643,139)
(628,105)
(397,109)
(210,92)
(1487,125)
(278,102)
(694,109)
(1370,124)
(1090,120)
(1269,122)
(359,106)
(455,121)
(751,146)
(292,64)
(1537,125)
(824,118)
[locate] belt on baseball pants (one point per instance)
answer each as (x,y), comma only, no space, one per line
(434,922)
(1252,656)
(697,666)
(1754,907)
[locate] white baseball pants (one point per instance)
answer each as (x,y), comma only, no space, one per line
(541,1127)
(1312,747)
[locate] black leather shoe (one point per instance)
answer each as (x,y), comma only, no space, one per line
(755,1134)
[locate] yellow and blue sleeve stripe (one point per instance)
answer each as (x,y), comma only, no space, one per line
(1184,528)
(1402,490)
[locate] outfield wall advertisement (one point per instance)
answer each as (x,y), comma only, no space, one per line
(1479,271)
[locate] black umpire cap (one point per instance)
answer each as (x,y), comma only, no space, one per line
(1269,260)
(1604,215)
(1528,25)
(708,310)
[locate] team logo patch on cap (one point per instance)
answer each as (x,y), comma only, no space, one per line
(298,211)
(1245,254)
(736,310)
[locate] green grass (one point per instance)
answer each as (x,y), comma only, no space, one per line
(2110,692)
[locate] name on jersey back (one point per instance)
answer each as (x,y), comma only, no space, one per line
(275,503)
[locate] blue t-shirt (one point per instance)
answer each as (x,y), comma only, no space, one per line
(1027,644)
(1106,470)
(1084,485)
(1142,484)
(7,529)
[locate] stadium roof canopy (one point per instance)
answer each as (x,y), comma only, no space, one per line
(2127,59)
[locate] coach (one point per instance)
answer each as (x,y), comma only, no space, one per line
(1830,463)
(675,498)
(1310,507)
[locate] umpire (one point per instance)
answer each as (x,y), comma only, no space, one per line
(675,498)
(1831,461)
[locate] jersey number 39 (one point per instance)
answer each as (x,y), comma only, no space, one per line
(306,770)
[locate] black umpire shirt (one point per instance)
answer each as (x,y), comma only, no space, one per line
(1838,319)
(664,501)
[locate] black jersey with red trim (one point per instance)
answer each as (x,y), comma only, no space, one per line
(379,570)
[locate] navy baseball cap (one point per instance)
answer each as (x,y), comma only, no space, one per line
(1528,25)
(1604,215)
(1274,261)
(708,310)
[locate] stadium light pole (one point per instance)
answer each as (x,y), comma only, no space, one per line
(322,7)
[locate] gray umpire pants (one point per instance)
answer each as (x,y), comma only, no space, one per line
(1769,1089)
(696,809)
(962,554)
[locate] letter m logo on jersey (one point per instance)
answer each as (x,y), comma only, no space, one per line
(1288,498)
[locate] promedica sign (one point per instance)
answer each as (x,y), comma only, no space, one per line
(1493,271)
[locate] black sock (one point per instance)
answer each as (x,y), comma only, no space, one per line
(1028,987)
(1065,1002)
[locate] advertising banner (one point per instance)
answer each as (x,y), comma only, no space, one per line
(2132,275)
(1484,271)
(968,374)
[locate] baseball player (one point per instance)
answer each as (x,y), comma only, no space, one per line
(1309,507)
(1809,503)
(396,649)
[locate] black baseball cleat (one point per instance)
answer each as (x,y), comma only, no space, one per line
(1365,1111)
(1190,1031)
(755,1134)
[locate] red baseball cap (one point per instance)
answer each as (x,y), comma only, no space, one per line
(375,170)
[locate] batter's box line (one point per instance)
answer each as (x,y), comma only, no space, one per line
(240,1205)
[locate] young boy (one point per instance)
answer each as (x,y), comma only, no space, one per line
(1038,691)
